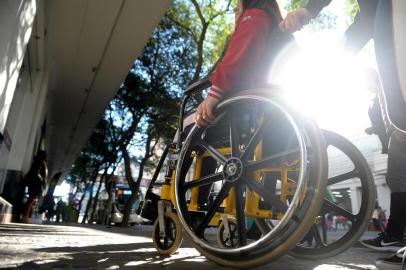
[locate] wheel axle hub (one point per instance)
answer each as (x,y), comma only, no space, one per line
(232,169)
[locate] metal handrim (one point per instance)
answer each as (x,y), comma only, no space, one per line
(295,200)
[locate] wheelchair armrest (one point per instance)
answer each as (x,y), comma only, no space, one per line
(197,86)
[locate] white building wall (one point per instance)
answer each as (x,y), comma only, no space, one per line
(28,125)
(16,21)
(16,24)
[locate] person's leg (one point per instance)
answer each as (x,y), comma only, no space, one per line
(390,45)
(390,50)
(396,179)
(390,63)
(376,224)
(28,208)
(215,136)
(208,167)
(382,225)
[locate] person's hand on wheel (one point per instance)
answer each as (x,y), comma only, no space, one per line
(295,20)
(204,114)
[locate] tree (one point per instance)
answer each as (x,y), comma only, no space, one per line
(79,178)
(183,48)
(208,24)
(97,154)
(160,128)
(155,81)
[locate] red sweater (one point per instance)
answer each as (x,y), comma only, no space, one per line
(239,66)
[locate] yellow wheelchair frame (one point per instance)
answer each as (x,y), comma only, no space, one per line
(252,199)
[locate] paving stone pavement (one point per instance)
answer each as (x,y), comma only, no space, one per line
(28,246)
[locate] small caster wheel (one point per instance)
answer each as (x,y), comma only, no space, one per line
(227,236)
(168,244)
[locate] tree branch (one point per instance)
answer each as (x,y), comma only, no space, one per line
(199,12)
(181,25)
(220,12)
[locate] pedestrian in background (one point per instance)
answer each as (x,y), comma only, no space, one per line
(35,180)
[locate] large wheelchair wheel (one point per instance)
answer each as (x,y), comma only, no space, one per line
(260,133)
(340,224)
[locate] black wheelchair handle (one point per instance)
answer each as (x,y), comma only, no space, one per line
(197,87)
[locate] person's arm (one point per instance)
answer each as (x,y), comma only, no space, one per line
(295,20)
(362,29)
(245,48)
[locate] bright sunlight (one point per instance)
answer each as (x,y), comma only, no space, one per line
(323,80)
(326,82)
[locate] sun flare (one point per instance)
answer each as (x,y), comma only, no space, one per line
(322,80)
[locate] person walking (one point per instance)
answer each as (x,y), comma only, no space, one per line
(35,180)
(384,21)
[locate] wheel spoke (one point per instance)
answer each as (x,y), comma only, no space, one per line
(240,206)
(272,160)
(212,151)
(256,137)
(270,199)
(329,206)
(342,177)
(213,208)
(206,180)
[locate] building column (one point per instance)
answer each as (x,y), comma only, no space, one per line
(16,24)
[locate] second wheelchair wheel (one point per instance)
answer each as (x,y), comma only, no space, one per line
(347,206)
(227,234)
(170,242)
(250,137)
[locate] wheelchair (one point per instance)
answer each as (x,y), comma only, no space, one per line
(253,185)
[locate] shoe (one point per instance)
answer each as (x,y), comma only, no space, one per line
(394,262)
(384,242)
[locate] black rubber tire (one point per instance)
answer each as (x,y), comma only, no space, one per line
(361,220)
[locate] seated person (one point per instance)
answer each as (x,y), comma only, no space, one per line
(255,43)
(252,48)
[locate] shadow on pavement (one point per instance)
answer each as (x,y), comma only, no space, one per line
(130,256)
(144,256)
(25,247)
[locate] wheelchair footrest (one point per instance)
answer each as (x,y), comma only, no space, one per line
(150,206)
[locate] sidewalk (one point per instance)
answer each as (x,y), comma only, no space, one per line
(27,246)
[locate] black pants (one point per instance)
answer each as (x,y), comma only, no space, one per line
(391,59)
